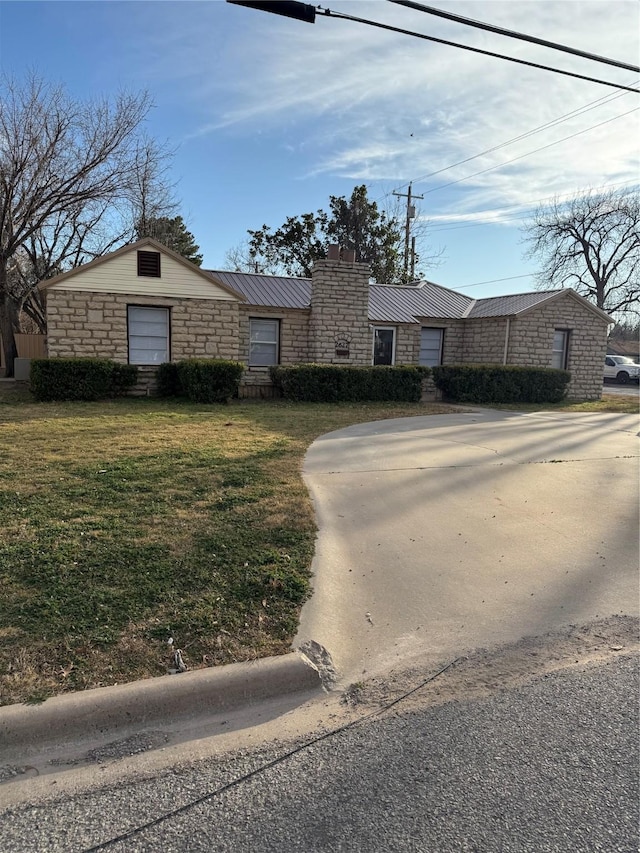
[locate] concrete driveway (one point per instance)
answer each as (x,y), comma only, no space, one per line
(445,533)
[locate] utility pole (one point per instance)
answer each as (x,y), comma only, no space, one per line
(411,214)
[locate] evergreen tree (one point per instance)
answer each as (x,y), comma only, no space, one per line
(173,233)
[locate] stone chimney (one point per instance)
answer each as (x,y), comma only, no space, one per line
(339,330)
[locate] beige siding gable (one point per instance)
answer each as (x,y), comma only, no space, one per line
(119,274)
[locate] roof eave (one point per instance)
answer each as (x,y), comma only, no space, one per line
(568,291)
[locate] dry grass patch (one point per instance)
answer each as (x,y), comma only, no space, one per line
(124,523)
(612,403)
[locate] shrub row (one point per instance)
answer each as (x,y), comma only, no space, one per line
(485,383)
(332,383)
(201,380)
(80,378)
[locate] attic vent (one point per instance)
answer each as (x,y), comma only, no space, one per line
(149,264)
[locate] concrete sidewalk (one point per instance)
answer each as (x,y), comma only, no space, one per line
(442,534)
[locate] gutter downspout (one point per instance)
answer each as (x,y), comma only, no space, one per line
(506,340)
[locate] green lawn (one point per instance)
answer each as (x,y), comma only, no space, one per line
(124,523)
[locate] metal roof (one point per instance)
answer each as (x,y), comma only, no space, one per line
(272,291)
(505,306)
(388,303)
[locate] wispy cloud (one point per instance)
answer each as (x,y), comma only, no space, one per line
(377,107)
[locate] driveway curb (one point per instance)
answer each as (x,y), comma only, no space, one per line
(154,701)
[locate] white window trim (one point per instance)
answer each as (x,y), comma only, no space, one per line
(393,348)
(440,329)
(276,321)
(167,314)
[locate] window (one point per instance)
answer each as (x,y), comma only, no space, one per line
(560,351)
(431,346)
(148,334)
(264,342)
(149,264)
(384,340)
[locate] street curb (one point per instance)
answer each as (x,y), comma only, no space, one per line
(153,701)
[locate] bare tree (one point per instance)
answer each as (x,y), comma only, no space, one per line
(592,244)
(241,258)
(72,178)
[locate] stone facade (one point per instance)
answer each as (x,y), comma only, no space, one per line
(339,329)
(531,340)
(294,345)
(483,341)
(335,329)
(407,344)
(95,324)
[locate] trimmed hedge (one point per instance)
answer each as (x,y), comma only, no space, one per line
(168,381)
(332,383)
(80,378)
(207,380)
(486,383)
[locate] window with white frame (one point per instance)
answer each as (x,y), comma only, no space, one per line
(560,350)
(431,346)
(148,334)
(384,345)
(264,342)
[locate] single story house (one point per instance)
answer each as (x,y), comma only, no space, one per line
(145,304)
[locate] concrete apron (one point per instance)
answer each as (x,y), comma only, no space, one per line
(445,533)
(98,714)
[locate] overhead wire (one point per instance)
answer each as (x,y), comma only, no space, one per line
(492,281)
(492,28)
(494,217)
(513,159)
(591,105)
(402,31)
(529,153)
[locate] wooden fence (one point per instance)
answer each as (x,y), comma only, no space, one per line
(29,346)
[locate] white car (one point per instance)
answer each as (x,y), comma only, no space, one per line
(621,368)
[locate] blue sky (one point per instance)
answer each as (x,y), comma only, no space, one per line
(271,116)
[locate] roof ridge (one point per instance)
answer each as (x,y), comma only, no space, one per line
(472,304)
(261,274)
(444,287)
(524,293)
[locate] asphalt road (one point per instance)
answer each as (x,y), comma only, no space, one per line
(630,390)
(549,767)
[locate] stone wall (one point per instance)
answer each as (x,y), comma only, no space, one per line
(95,324)
(531,343)
(339,312)
(294,345)
(484,340)
(407,344)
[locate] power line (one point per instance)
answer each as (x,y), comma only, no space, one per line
(591,105)
(494,281)
(354,19)
(470,22)
(529,153)
(513,159)
(491,219)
